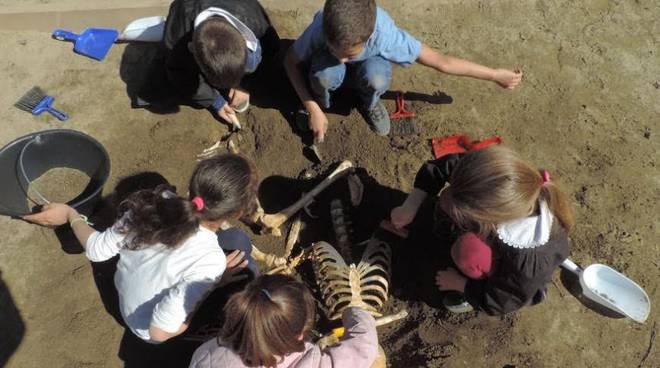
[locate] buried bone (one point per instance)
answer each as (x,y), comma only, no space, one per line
(272,222)
(340,224)
(338,333)
(356,189)
(286,264)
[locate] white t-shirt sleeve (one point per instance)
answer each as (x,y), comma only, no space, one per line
(182,299)
(102,246)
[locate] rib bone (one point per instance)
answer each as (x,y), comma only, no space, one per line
(365,285)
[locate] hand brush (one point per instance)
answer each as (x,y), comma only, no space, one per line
(402,121)
(36,102)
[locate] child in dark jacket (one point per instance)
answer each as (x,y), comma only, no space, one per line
(353,42)
(515,222)
(211,45)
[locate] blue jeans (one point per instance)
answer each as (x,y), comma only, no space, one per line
(370,77)
(236,239)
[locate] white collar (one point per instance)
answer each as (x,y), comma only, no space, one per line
(250,39)
(529,232)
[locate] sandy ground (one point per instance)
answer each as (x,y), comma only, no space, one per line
(587,111)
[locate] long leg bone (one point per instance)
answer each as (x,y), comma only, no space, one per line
(272,222)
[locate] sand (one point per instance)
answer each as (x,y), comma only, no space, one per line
(587,111)
(59,185)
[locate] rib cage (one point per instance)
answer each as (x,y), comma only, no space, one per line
(365,285)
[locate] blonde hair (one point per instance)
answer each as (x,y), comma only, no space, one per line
(494,185)
(266,321)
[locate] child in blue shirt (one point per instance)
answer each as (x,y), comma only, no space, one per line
(354,41)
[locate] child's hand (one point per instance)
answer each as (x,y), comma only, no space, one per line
(450,279)
(402,216)
(507,79)
(318,123)
(235,264)
(238,97)
(228,114)
(53,214)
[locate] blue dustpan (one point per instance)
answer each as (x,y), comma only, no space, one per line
(93,42)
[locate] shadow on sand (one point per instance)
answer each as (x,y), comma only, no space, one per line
(12,326)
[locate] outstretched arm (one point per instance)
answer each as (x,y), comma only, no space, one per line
(455,66)
(56,214)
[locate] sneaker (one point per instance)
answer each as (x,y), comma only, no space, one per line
(456,303)
(378,119)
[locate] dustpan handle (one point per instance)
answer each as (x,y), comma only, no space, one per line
(571,266)
(62,35)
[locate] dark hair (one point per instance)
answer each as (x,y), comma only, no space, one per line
(265,321)
(495,185)
(347,23)
(227,184)
(220,52)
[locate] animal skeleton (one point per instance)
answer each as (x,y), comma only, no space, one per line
(342,286)
(272,222)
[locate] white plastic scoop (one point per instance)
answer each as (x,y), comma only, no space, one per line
(613,290)
(149,29)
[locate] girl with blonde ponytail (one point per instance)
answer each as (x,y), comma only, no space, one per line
(513,220)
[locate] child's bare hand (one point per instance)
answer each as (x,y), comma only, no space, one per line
(318,123)
(402,216)
(507,79)
(238,97)
(235,264)
(228,114)
(53,214)
(450,279)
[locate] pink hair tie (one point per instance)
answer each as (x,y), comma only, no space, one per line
(199,203)
(546,176)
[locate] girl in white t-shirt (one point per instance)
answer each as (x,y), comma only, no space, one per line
(169,256)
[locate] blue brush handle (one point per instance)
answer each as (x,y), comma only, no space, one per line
(63,35)
(45,105)
(61,115)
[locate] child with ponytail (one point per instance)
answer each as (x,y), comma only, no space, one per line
(169,256)
(514,223)
(268,325)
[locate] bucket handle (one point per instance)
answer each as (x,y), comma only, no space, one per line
(36,139)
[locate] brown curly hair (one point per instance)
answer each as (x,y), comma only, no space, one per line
(227,184)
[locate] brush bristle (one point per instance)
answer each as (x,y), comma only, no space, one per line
(31,99)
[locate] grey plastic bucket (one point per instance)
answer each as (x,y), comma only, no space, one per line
(27,158)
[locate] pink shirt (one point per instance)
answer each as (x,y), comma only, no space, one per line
(358,349)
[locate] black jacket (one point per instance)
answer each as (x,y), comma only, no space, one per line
(182,69)
(519,274)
